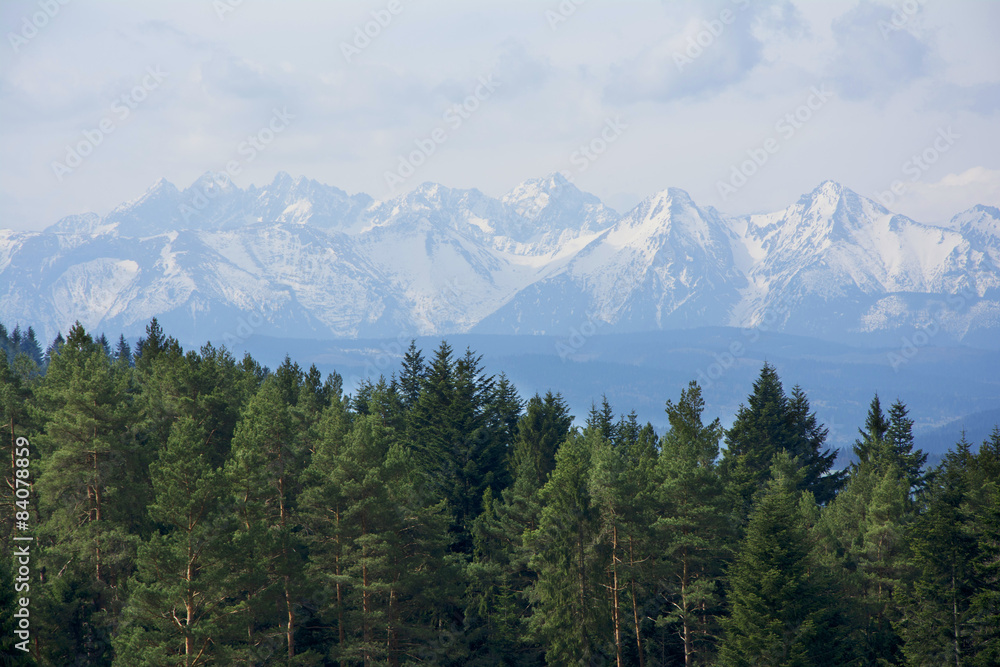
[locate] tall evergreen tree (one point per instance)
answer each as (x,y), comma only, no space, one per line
(899,439)
(264,472)
(622,486)
(413,375)
(545,425)
(571,616)
(781,609)
(760,431)
(809,446)
(90,487)
(693,528)
(178,611)
(938,623)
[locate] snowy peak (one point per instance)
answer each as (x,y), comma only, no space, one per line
(553,205)
(308,259)
(979,220)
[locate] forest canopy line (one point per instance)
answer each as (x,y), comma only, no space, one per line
(189,508)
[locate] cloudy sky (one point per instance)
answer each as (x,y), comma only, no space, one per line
(744,105)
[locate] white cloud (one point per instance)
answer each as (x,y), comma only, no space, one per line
(941,200)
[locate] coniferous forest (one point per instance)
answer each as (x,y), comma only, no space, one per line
(189,508)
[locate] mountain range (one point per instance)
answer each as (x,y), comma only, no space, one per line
(300,259)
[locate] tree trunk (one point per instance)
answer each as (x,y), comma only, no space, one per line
(635,604)
(615,615)
(688,640)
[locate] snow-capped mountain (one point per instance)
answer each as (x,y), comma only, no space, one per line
(297,258)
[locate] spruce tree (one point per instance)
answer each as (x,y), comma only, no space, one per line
(899,439)
(873,434)
(572,617)
(761,430)
(938,624)
(808,446)
(780,606)
(984,527)
(413,375)
(543,428)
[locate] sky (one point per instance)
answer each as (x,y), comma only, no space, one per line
(746,105)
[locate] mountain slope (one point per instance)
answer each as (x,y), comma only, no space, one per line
(303,259)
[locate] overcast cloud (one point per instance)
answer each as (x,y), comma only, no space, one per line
(151,90)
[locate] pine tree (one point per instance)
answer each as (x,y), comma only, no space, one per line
(693,527)
(863,538)
(780,608)
(15,421)
(622,488)
(382,547)
(267,457)
(179,603)
(499,574)
(91,490)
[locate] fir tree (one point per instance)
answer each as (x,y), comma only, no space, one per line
(31,347)
(808,446)
(123,352)
(899,440)
(873,434)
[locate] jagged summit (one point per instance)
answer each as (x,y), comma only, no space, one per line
(309,259)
